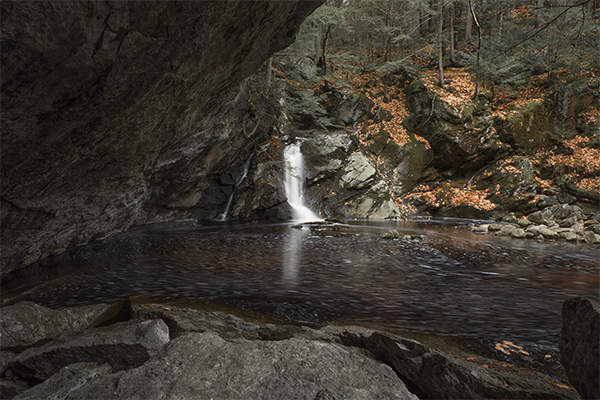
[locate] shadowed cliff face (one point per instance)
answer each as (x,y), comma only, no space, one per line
(120,113)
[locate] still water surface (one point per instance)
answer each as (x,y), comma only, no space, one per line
(475,290)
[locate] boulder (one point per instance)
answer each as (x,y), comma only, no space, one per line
(26,323)
(546,201)
(460,142)
(563,211)
(524,223)
(579,345)
(346,105)
(538,218)
(591,237)
(566,198)
(391,234)
(506,230)
(569,236)
(510,183)
(518,233)
(433,374)
(207,366)
(67,380)
(9,389)
(358,172)
(123,345)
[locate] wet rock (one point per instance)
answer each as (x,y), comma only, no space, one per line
(346,105)
(67,380)
(524,223)
(593,228)
(591,237)
(181,321)
(27,323)
(567,222)
(415,239)
(506,230)
(295,368)
(546,201)
(391,234)
(538,218)
(480,229)
(547,233)
(511,186)
(569,236)
(459,142)
(123,345)
(510,218)
(325,153)
(358,172)
(535,229)
(579,345)
(518,233)
(495,227)
(9,389)
(563,211)
(566,198)
(434,375)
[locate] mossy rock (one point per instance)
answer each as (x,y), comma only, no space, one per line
(463,142)
(529,129)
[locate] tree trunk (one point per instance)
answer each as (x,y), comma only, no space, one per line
(269,71)
(478,46)
(441,42)
(452,32)
(324,30)
(539,14)
(469,25)
(500,24)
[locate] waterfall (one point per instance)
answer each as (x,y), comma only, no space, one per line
(223,216)
(293,178)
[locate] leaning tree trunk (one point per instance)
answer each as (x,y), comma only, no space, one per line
(441,43)
(478,46)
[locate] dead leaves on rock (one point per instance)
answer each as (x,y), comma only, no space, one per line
(509,347)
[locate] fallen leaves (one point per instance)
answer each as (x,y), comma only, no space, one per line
(458,90)
(507,347)
(562,385)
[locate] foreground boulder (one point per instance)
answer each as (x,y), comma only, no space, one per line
(434,374)
(205,365)
(221,356)
(26,323)
(123,345)
(579,345)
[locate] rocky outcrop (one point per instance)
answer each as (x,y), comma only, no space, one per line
(460,141)
(220,356)
(124,113)
(580,345)
(124,345)
(25,324)
(558,222)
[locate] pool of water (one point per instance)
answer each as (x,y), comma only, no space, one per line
(475,290)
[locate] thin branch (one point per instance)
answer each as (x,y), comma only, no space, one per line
(541,29)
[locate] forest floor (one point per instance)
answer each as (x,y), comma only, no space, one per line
(574,157)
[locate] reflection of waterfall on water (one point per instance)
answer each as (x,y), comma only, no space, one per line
(291,254)
(223,216)
(293,178)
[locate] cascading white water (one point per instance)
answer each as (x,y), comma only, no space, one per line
(293,178)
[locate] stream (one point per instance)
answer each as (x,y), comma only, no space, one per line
(457,287)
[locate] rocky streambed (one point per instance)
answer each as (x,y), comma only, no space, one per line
(116,351)
(556,222)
